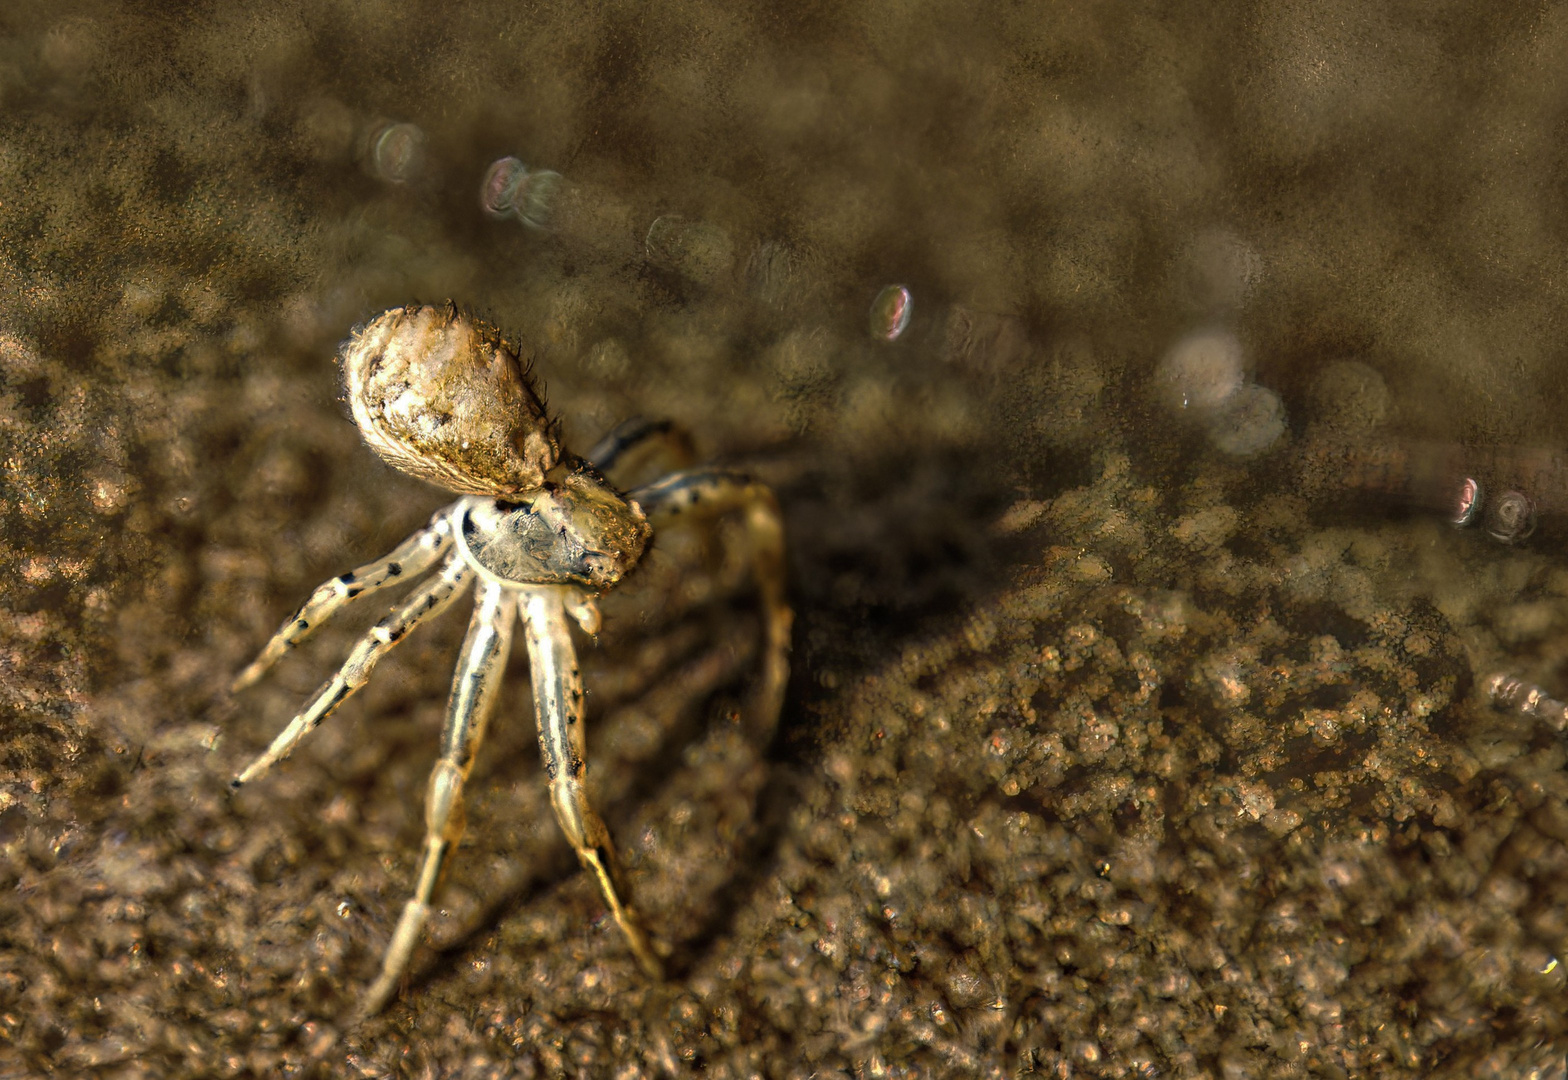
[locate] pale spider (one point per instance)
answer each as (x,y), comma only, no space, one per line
(538,534)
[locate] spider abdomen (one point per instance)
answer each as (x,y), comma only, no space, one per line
(438,394)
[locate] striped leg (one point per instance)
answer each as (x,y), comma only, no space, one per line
(1510,694)
(646,447)
(712,492)
(412,557)
(558,707)
(429,599)
(468,710)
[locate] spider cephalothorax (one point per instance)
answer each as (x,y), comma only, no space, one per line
(538,534)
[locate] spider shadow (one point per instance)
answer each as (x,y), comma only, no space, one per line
(879,555)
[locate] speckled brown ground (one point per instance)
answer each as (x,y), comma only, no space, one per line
(1106,755)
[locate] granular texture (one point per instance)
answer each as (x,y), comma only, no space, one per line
(1107,753)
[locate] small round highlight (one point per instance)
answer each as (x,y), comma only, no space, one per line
(1249,422)
(1467,503)
(890,313)
(498,192)
(1201,372)
(1510,518)
(397,153)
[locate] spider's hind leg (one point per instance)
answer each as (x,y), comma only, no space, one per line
(712,492)
(413,556)
(468,710)
(638,448)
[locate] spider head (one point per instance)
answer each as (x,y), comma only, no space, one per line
(574,530)
(438,394)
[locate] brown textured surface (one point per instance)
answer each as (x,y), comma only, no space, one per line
(1105,755)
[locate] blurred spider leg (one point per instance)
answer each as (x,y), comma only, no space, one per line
(1509,694)
(558,707)
(429,599)
(413,556)
(640,436)
(474,687)
(711,492)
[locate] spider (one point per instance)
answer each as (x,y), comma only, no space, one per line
(538,534)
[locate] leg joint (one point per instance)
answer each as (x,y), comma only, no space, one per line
(444,802)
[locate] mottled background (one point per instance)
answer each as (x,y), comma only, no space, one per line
(1125,739)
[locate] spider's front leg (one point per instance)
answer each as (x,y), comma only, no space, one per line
(430,599)
(558,707)
(413,556)
(468,710)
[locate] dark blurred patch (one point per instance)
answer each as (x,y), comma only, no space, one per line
(883,550)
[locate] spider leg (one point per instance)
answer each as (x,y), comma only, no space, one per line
(413,556)
(558,707)
(1510,694)
(474,687)
(429,599)
(715,491)
(637,443)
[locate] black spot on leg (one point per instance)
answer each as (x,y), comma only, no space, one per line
(394,569)
(550,768)
(347,579)
(353,593)
(302,624)
(236,784)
